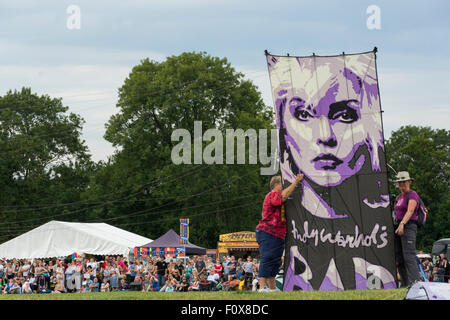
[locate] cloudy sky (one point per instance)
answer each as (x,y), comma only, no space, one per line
(86,66)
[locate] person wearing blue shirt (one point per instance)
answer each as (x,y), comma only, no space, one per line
(155,284)
(93,285)
(107,274)
(114,281)
(133,271)
(9,285)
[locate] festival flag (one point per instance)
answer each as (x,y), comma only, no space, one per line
(75,255)
(184,231)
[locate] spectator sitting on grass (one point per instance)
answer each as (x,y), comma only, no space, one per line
(155,283)
(7,287)
(15,288)
(32,281)
(170,285)
(194,285)
(174,281)
(84,287)
(136,285)
(214,277)
(255,283)
(146,284)
(59,287)
(232,284)
(123,286)
(52,283)
(26,288)
(183,285)
(105,286)
(176,274)
(213,280)
(242,284)
(93,285)
(204,284)
(219,286)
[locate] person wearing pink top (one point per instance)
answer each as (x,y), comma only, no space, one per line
(406,206)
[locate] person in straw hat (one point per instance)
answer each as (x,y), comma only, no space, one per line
(405,208)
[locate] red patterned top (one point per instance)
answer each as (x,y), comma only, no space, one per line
(272,221)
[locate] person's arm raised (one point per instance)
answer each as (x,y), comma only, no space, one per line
(288,191)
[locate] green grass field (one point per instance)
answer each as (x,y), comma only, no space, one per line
(396,294)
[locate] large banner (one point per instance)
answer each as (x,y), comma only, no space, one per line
(339,226)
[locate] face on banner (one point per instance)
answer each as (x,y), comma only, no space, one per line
(329,121)
(326,109)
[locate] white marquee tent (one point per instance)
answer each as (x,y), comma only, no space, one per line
(60,239)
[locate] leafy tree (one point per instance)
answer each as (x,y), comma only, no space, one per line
(148,193)
(425,154)
(43,161)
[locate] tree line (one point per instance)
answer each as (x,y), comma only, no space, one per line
(46,170)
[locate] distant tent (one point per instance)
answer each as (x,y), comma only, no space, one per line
(61,239)
(172,239)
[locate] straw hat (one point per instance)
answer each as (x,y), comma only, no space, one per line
(403,176)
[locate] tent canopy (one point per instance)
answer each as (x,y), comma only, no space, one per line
(172,239)
(60,239)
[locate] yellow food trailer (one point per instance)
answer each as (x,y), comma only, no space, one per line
(239,244)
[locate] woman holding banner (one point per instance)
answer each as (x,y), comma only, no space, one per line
(406,230)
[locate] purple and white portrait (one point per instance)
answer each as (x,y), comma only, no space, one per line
(329,124)
(326,109)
